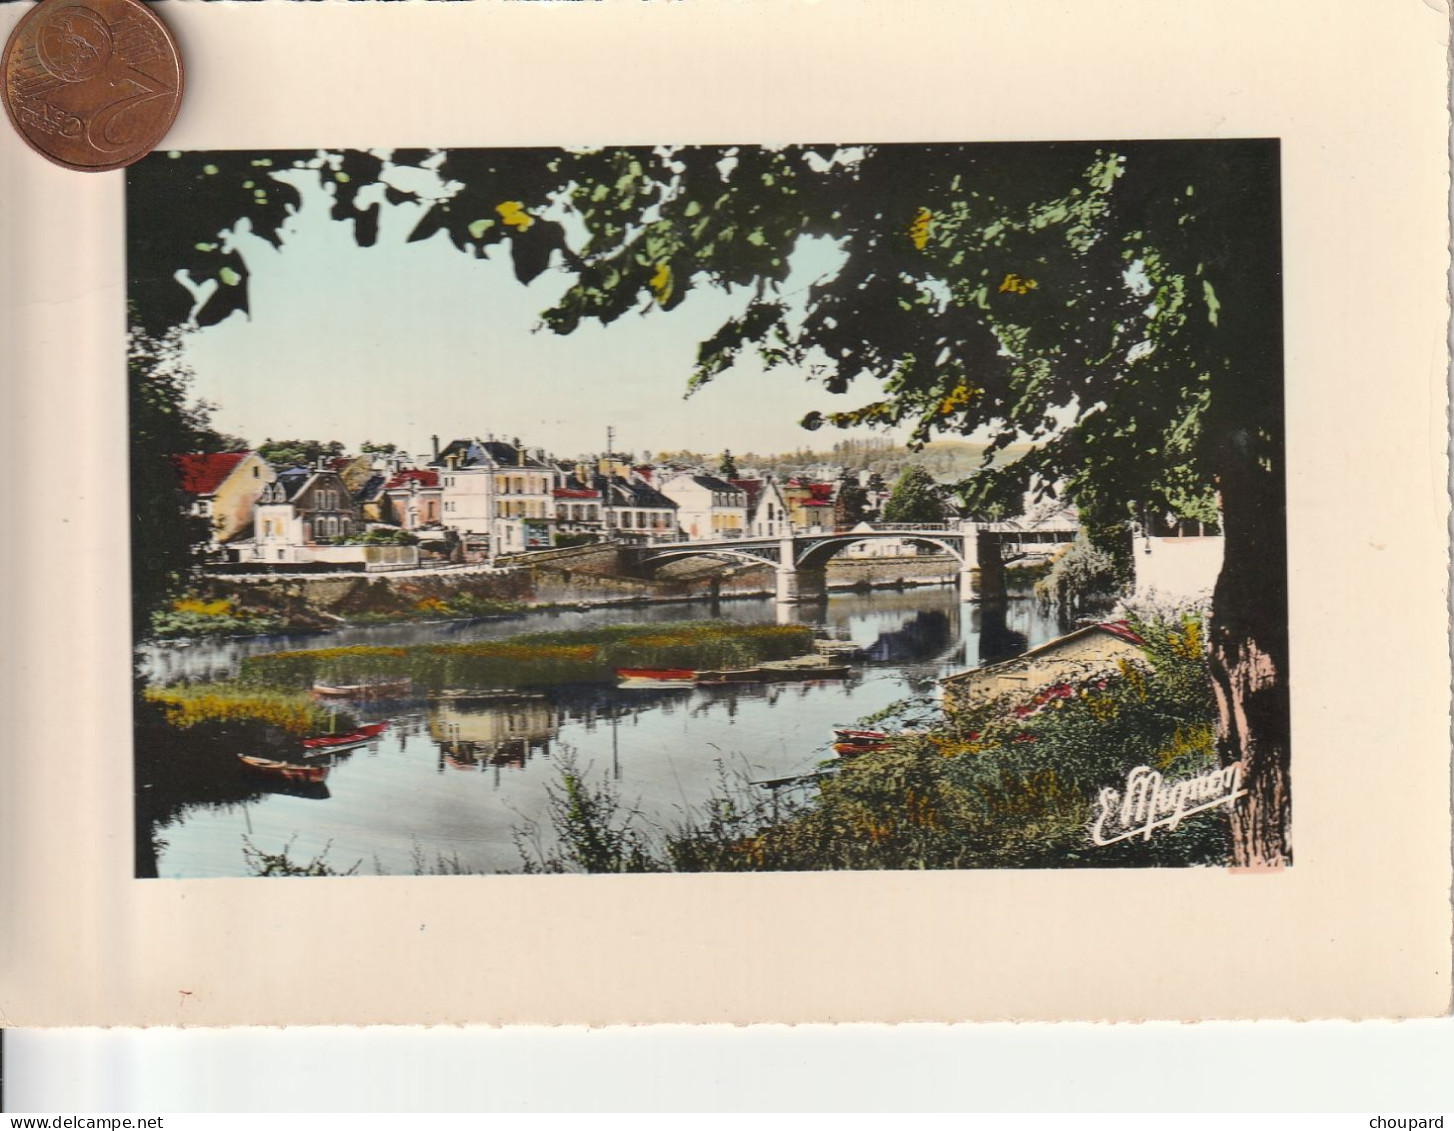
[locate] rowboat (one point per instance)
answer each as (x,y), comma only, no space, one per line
(483,695)
(854,734)
(379,689)
(326,742)
(284,771)
(803,668)
(849,749)
(641,678)
(735,675)
(839,649)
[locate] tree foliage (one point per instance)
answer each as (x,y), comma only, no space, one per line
(298,453)
(915,498)
(165,421)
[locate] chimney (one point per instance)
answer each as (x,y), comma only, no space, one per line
(435,440)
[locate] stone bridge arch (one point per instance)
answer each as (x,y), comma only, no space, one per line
(821,549)
(687,550)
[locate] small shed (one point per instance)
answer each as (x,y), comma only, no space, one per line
(1087,653)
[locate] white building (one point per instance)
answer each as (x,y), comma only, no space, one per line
(707,507)
(769,512)
(500,491)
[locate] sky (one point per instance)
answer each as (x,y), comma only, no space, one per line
(400,341)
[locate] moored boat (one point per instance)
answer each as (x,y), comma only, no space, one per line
(839,649)
(483,695)
(850,749)
(734,675)
(326,742)
(375,689)
(856,734)
(655,678)
(803,668)
(284,771)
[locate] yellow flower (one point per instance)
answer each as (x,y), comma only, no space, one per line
(661,282)
(513,215)
(919,229)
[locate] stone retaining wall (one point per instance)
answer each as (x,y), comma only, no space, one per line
(583,576)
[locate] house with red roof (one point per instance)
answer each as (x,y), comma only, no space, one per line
(223,487)
(413,498)
(810,505)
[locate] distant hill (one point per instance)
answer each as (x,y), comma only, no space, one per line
(945,460)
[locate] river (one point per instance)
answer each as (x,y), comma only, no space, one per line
(464,782)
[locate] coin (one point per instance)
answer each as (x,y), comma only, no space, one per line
(91,84)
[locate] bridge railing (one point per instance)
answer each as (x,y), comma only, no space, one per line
(906,528)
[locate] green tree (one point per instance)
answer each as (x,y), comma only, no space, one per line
(1113,309)
(850,504)
(298,453)
(915,498)
(165,422)
(727,468)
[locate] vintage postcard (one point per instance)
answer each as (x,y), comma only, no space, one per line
(731,565)
(444,561)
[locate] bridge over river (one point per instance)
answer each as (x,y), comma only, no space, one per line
(982,549)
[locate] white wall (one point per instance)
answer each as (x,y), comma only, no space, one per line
(1177,569)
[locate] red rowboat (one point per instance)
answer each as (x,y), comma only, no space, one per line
(655,673)
(286,771)
(352,738)
(849,734)
(849,749)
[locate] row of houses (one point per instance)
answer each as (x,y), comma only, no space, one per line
(476,498)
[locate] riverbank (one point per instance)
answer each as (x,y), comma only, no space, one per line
(1013,784)
(584,577)
(457,779)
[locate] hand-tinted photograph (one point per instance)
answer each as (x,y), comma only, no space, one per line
(682,508)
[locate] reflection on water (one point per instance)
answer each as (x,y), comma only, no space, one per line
(459,776)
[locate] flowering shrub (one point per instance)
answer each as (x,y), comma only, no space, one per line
(189,705)
(192,616)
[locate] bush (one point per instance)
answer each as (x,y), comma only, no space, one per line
(595,832)
(1083,575)
(280,863)
(377,537)
(188,705)
(193,616)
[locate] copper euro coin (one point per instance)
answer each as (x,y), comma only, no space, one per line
(92,84)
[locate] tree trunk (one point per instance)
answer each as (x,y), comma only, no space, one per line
(1249,660)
